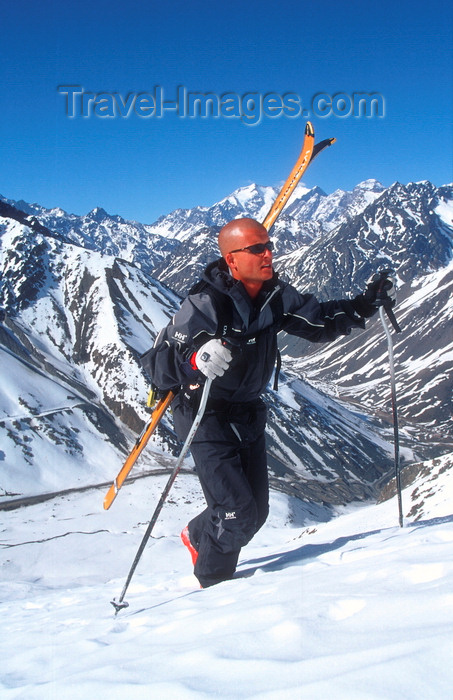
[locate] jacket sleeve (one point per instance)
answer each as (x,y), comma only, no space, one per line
(319,322)
(168,361)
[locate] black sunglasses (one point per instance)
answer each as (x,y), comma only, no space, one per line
(256,248)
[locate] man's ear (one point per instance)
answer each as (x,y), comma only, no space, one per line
(229,259)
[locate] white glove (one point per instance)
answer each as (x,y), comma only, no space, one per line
(213,358)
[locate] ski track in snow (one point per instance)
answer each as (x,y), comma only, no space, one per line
(355,608)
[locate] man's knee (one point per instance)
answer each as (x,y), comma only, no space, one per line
(233,529)
(263,513)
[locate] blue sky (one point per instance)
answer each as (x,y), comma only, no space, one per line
(142,167)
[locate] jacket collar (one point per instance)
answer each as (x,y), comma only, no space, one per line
(219,276)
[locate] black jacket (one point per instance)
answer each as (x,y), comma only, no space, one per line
(220,307)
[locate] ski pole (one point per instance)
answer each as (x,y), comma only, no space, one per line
(201,409)
(394,407)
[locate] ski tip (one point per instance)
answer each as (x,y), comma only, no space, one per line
(309,130)
(119,606)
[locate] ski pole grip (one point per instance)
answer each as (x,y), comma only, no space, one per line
(382,298)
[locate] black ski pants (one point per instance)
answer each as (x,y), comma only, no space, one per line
(229,452)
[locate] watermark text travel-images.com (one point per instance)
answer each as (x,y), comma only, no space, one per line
(250,107)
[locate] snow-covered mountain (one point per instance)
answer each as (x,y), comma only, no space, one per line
(408,228)
(309,214)
(326,595)
(73,324)
(336,208)
(149,246)
(82,297)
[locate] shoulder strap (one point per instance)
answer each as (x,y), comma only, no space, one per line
(276,304)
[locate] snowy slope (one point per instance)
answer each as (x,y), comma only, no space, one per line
(354,608)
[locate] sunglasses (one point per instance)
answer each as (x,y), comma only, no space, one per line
(256,248)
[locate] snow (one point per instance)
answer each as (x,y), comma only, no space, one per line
(349,606)
(354,608)
(429,286)
(444,211)
(38,456)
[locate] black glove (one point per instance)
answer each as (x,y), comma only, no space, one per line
(380,291)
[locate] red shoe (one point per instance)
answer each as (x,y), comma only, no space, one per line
(187,543)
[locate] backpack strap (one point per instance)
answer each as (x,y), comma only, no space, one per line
(276,304)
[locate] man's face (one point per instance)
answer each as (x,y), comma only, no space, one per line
(250,268)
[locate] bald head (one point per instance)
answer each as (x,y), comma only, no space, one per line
(238,241)
(236,234)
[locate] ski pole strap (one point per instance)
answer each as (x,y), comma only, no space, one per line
(392,317)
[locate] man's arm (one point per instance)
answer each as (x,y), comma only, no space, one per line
(170,362)
(316,321)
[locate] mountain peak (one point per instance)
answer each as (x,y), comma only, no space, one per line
(98,214)
(371,185)
(251,191)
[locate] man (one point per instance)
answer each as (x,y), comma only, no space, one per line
(226,329)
